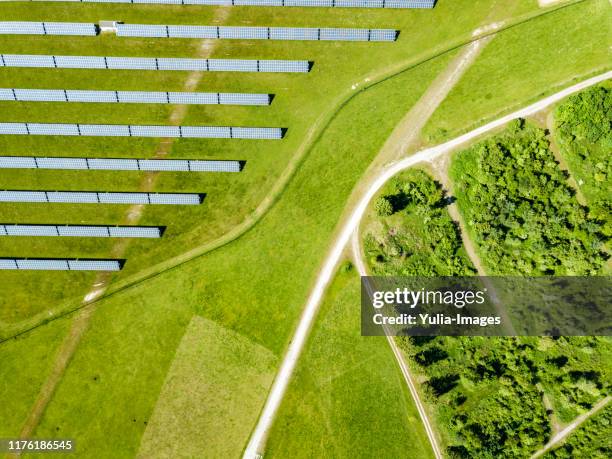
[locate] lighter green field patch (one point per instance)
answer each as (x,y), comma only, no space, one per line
(211,396)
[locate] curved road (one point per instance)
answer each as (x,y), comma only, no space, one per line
(283,377)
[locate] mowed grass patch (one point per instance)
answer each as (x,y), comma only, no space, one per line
(211,396)
(300,101)
(524,63)
(25,363)
(348,398)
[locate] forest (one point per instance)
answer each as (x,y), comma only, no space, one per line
(520,210)
(502,397)
(411,233)
(583,130)
(591,440)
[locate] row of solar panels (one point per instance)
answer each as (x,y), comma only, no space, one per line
(60,264)
(209,32)
(124,130)
(133,97)
(255,33)
(48,28)
(300,3)
(116,164)
(154,63)
(94,197)
(81,231)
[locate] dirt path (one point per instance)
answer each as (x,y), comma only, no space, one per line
(407,133)
(403,138)
(399,357)
(561,436)
(131,217)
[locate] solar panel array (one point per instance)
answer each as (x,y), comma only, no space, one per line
(81,231)
(153,63)
(133,97)
(255,33)
(301,3)
(47,28)
(125,130)
(116,164)
(94,197)
(39,264)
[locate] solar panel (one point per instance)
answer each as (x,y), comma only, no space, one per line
(178,165)
(80,231)
(46,265)
(60,264)
(279,3)
(255,33)
(47,28)
(151,63)
(117,130)
(94,265)
(93,197)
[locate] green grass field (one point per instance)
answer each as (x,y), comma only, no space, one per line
(348,398)
(256,285)
(242,287)
(525,63)
(25,363)
(300,101)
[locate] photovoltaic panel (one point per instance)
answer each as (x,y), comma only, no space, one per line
(178,165)
(94,265)
(255,33)
(47,28)
(59,264)
(281,3)
(93,197)
(152,63)
(112,130)
(80,231)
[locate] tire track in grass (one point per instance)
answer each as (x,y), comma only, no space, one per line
(132,216)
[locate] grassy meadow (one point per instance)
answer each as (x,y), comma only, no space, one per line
(525,63)
(301,100)
(256,285)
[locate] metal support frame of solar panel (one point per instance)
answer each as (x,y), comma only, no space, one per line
(125,130)
(149,232)
(60,264)
(133,97)
(48,28)
(119,164)
(301,3)
(256,33)
(154,63)
(95,197)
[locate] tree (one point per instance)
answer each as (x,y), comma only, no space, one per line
(383,207)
